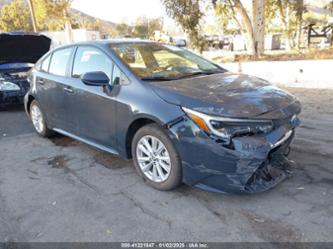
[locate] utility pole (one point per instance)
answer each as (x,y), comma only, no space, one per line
(32,15)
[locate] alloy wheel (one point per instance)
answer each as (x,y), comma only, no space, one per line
(37,118)
(153,158)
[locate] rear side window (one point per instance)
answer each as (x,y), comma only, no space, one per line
(59,61)
(89,59)
(45,64)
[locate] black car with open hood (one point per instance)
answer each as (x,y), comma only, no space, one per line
(19,51)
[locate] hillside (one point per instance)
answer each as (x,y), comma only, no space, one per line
(103,24)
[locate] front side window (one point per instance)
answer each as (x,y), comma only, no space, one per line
(59,61)
(89,59)
(151,61)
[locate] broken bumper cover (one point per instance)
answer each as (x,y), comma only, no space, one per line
(254,164)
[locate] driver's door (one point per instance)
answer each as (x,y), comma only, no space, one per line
(94,107)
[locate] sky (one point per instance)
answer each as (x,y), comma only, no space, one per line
(121,10)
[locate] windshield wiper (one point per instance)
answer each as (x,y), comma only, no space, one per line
(157,78)
(163,78)
(198,73)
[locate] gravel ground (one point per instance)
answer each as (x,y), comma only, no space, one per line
(62,190)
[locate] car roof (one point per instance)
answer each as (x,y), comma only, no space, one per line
(110,41)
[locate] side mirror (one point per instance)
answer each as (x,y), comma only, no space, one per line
(95,78)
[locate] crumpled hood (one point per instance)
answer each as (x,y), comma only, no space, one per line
(19,47)
(229,95)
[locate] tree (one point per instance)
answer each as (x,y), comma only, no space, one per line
(141,27)
(58,13)
(329,6)
(32,15)
(187,14)
(155,24)
(258,23)
(13,16)
(291,15)
(299,8)
(253,29)
(225,16)
(123,29)
(49,15)
(145,27)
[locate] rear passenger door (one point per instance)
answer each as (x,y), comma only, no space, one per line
(94,107)
(51,81)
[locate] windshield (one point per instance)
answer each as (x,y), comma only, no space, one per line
(151,61)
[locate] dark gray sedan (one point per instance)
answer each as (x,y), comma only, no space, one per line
(180,117)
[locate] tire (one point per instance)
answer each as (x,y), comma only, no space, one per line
(38,120)
(166,180)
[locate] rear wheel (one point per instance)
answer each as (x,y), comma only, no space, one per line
(38,120)
(155,158)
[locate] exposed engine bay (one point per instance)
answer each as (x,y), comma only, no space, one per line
(19,51)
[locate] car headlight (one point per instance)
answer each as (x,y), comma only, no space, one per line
(227,128)
(8,86)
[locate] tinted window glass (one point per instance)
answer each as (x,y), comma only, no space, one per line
(45,64)
(151,60)
(88,59)
(59,61)
(118,78)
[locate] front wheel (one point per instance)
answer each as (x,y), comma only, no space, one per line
(38,120)
(156,158)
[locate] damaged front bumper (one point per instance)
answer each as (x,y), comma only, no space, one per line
(16,96)
(254,163)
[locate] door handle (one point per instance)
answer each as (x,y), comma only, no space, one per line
(41,81)
(68,89)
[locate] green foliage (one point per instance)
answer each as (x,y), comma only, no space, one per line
(122,29)
(224,14)
(50,15)
(56,13)
(155,24)
(187,13)
(271,14)
(329,6)
(14,16)
(143,28)
(286,12)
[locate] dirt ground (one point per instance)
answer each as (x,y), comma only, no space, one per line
(62,190)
